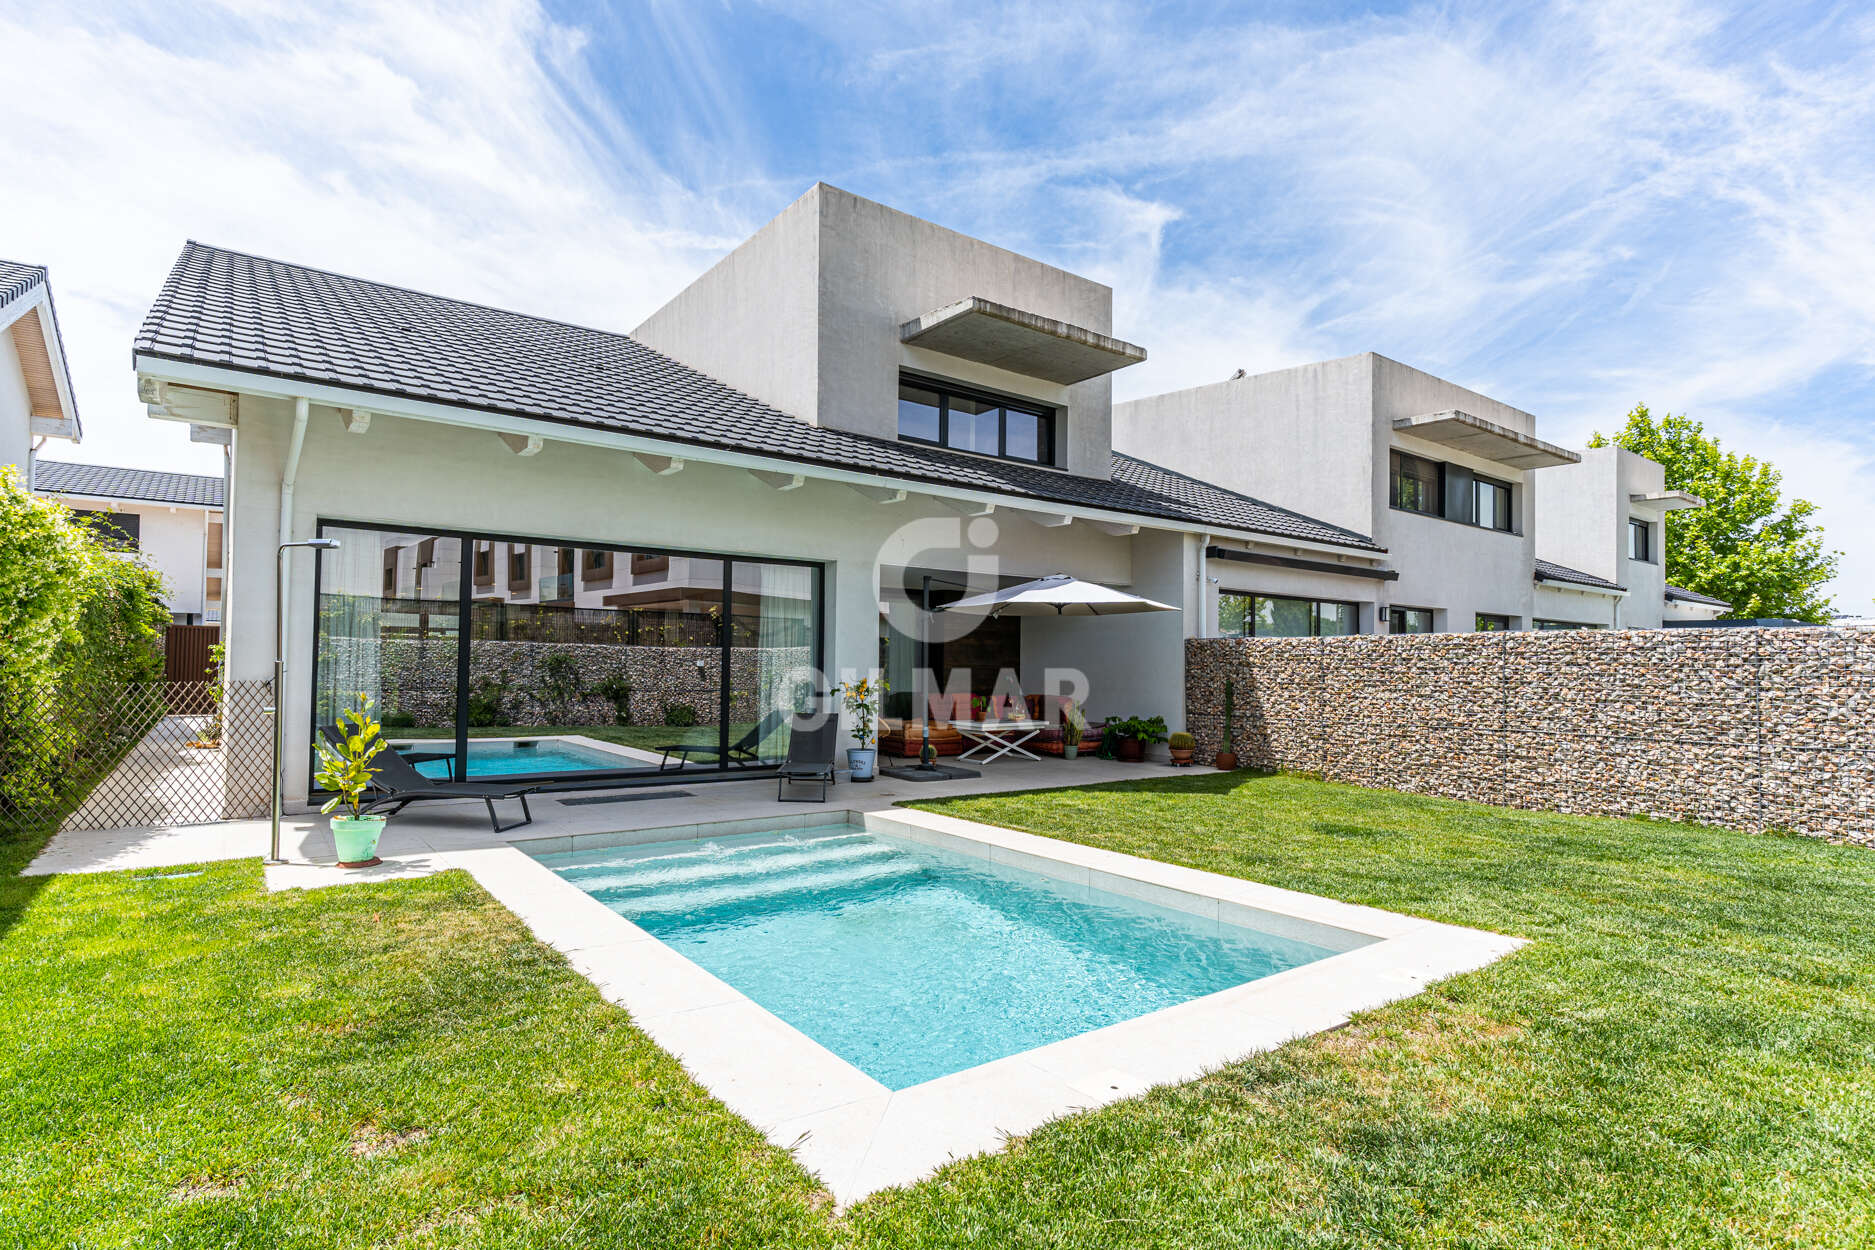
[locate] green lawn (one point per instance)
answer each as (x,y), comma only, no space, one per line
(1685,1055)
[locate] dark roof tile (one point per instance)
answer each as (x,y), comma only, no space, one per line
(1547,571)
(310,325)
(98,481)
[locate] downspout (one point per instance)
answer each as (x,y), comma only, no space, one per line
(1203,629)
(289,475)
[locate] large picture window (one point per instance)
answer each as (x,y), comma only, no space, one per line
(1274,616)
(579,665)
(946,416)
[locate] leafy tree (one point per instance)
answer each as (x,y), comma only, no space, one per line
(79,620)
(1740,547)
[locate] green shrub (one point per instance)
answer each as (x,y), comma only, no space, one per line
(679,715)
(78,621)
(617,691)
(398,720)
(485,704)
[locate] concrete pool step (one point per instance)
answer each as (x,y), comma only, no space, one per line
(807,871)
(711,861)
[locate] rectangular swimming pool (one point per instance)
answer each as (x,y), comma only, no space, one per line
(503,757)
(912,962)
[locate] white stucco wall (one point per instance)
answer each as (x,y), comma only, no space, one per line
(173,538)
(15,409)
(425,475)
(1584,511)
(1297,437)
(1135,664)
(1316,439)
(805,316)
(752,319)
(1553,602)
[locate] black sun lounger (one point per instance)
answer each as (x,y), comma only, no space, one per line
(399,784)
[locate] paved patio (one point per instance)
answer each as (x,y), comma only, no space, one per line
(421,839)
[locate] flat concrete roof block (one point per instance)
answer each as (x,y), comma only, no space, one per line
(1028,343)
(1475,436)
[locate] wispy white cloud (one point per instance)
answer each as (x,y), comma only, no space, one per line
(1573,206)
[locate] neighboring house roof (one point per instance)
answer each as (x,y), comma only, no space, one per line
(1693,596)
(1547,571)
(98,481)
(16,279)
(286,321)
(24,290)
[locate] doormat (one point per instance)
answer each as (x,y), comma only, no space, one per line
(937,772)
(626,798)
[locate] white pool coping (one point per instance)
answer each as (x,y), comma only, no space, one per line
(860,1136)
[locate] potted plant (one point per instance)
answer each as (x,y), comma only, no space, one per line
(1133,733)
(862,700)
(345,769)
(1181,746)
(1073,726)
(1226,753)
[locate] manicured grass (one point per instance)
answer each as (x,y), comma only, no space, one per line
(1685,1055)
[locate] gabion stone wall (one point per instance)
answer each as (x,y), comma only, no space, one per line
(418,677)
(1755,729)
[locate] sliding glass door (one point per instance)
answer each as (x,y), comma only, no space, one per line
(389,634)
(578,663)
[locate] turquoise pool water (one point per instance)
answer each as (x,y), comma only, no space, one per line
(508,759)
(912,963)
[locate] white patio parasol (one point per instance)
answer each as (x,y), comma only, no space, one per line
(1057,595)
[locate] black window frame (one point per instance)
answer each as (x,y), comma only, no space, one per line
(1048,415)
(119,531)
(1396,463)
(1431,621)
(1505,624)
(1645,529)
(1547,624)
(1509,497)
(1315,613)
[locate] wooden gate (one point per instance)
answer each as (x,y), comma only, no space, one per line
(186,659)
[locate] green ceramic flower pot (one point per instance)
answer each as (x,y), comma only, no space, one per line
(357,839)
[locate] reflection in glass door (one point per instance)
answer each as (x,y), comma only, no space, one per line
(772,656)
(587,660)
(581,663)
(389,627)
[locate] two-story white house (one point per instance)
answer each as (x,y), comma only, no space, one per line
(1607,516)
(1439,476)
(854,413)
(173,519)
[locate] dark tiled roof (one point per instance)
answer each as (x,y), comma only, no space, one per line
(16,279)
(1548,572)
(287,321)
(98,481)
(1693,596)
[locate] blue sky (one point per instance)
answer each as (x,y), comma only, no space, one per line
(1571,207)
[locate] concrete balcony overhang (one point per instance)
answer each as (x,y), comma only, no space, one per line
(1027,343)
(1667,500)
(1475,436)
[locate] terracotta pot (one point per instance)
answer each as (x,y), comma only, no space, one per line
(1226,760)
(1132,750)
(1181,755)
